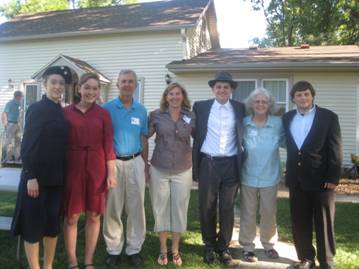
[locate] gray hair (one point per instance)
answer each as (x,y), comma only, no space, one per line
(260,91)
(128,71)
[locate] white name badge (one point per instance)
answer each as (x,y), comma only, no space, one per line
(135,121)
(186,119)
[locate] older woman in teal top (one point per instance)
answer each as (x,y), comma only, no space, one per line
(261,171)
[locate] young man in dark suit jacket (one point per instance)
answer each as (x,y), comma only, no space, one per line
(314,158)
(217,150)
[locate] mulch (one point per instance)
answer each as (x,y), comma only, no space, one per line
(348,186)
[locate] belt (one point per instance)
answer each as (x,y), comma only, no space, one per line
(13,122)
(128,157)
(217,158)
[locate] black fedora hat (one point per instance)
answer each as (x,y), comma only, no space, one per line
(63,71)
(223,76)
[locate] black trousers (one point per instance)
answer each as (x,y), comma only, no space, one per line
(218,183)
(318,208)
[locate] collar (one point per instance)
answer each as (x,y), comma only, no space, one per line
(218,105)
(119,103)
(268,123)
(49,101)
(311,111)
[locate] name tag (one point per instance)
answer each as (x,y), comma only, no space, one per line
(186,119)
(135,121)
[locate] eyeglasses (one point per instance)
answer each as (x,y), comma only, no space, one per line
(261,102)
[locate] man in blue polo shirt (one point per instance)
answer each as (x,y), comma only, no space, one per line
(10,122)
(129,121)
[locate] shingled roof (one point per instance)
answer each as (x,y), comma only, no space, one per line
(160,15)
(328,57)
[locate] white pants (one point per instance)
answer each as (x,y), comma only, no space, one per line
(248,212)
(129,193)
(170,193)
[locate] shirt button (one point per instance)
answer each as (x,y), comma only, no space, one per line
(299,153)
(299,164)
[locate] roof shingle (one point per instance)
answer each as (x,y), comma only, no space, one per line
(170,13)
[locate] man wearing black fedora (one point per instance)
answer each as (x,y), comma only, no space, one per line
(217,151)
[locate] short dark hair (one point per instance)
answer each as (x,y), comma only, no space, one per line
(17,94)
(301,86)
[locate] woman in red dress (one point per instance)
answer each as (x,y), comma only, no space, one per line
(89,168)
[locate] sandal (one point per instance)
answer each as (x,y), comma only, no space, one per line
(162,259)
(74,267)
(88,265)
(177,259)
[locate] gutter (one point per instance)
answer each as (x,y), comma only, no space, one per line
(98,32)
(270,66)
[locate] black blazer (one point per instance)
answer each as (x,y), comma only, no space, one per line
(202,110)
(44,143)
(319,159)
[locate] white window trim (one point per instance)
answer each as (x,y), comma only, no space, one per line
(286,90)
(141,88)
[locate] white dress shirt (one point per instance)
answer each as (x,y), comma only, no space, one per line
(221,134)
(301,125)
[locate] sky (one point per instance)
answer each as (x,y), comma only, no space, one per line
(237,23)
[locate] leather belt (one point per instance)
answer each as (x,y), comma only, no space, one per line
(216,158)
(128,157)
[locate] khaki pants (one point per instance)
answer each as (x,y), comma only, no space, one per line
(170,193)
(12,142)
(248,213)
(129,193)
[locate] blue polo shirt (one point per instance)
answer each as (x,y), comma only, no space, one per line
(12,110)
(129,124)
(261,167)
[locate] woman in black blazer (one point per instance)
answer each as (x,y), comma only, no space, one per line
(38,206)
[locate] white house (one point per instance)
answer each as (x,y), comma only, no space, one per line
(333,71)
(144,37)
(176,38)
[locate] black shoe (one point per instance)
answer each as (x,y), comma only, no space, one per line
(209,256)
(249,256)
(306,264)
(112,260)
(225,257)
(135,260)
(271,253)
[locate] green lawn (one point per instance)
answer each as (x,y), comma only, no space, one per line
(347,234)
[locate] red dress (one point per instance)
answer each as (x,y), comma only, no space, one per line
(90,146)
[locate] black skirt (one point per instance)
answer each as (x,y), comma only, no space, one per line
(35,218)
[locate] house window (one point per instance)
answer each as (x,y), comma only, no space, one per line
(138,94)
(278,88)
(32,94)
(244,88)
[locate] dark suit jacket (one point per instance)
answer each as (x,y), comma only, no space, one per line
(44,143)
(319,159)
(202,110)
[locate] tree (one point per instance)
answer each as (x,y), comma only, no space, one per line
(317,22)
(16,7)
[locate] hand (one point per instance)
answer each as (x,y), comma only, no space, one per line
(147,173)
(33,188)
(111,182)
(330,186)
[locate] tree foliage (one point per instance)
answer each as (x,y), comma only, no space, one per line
(316,22)
(16,7)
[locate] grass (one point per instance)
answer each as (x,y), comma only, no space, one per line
(347,236)
(191,245)
(346,232)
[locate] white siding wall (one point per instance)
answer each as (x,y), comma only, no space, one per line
(337,91)
(146,53)
(198,39)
